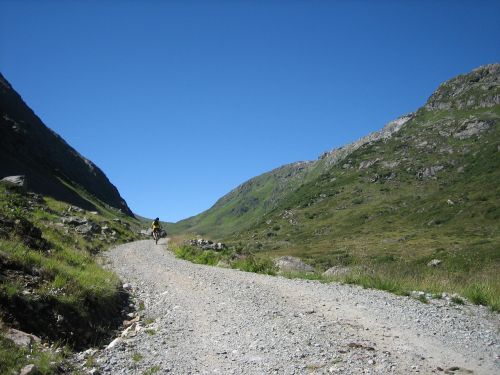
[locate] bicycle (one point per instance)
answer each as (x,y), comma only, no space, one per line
(156,235)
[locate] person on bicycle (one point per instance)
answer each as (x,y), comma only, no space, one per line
(156,226)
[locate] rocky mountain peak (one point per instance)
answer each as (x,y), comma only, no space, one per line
(479,88)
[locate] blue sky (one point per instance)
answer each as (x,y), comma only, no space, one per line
(181,101)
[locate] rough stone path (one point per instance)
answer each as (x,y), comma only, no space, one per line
(207,320)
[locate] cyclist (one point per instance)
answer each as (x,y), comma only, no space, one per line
(156,226)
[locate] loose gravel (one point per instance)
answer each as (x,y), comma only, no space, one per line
(197,319)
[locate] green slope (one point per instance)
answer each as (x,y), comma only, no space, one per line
(246,204)
(455,100)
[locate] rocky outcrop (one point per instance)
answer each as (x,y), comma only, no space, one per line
(471,128)
(31,149)
(207,244)
(339,154)
(24,230)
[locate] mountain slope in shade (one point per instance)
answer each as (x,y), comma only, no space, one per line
(52,167)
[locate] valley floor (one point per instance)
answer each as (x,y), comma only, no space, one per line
(207,320)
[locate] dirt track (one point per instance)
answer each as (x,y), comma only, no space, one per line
(204,320)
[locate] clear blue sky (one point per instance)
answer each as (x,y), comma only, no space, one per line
(181,101)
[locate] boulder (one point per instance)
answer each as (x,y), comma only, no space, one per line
(292,264)
(29,370)
(337,271)
(88,228)
(17,181)
(21,338)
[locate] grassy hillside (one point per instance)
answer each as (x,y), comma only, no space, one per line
(247,203)
(52,284)
(391,204)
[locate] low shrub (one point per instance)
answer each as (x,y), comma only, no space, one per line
(252,263)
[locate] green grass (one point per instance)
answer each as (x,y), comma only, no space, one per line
(14,358)
(482,294)
(254,263)
(68,281)
(196,255)
(150,332)
(137,357)
(457,300)
(152,370)
(245,262)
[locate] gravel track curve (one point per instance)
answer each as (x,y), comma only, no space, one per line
(206,320)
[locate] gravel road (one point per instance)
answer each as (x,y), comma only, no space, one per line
(198,319)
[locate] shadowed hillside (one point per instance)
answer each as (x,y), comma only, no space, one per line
(52,167)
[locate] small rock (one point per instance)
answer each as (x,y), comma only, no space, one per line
(75,209)
(434,263)
(127,323)
(114,343)
(127,286)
